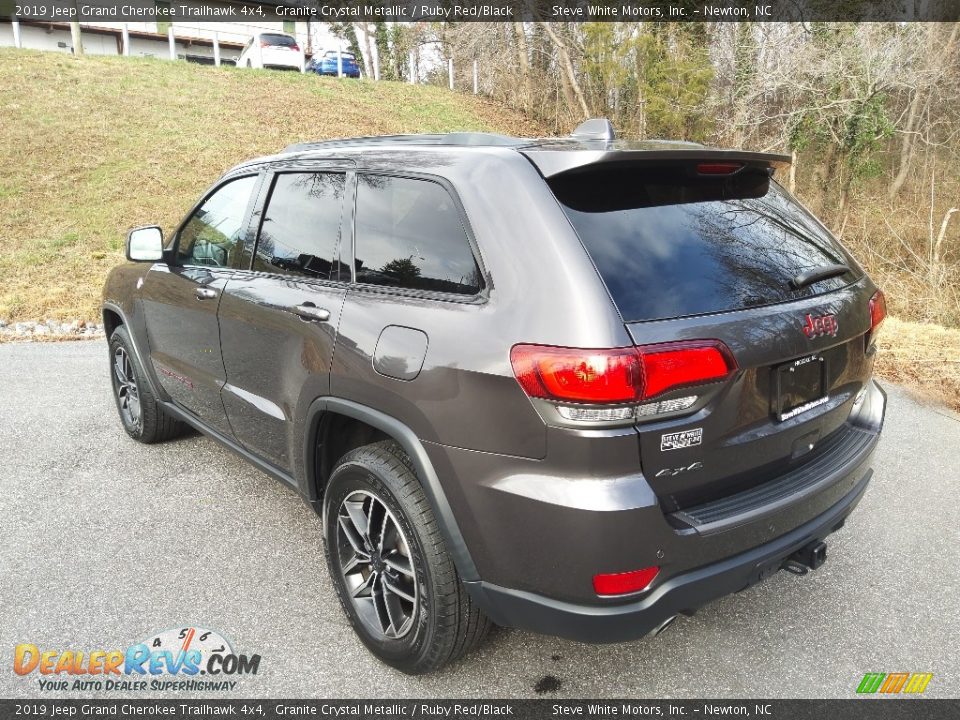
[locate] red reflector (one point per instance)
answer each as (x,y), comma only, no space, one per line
(674,365)
(596,376)
(718,168)
(618,375)
(623,583)
(878,310)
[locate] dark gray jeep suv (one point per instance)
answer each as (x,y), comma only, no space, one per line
(576,385)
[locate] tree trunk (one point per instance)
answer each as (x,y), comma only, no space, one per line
(906,145)
(568,95)
(367,49)
(569,71)
(936,57)
(523,59)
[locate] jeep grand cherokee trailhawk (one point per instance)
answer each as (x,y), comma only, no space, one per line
(577,385)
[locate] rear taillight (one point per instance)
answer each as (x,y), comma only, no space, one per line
(878,310)
(295,47)
(590,376)
(619,375)
(675,365)
(626,582)
(264,44)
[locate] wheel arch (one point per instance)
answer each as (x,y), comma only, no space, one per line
(113,317)
(323,408)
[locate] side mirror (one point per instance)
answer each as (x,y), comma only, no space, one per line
(145,244)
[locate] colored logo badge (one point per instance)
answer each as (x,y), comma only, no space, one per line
(894,683)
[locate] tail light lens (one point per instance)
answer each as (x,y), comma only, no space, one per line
(623,583)
(295,47)
(675,365)
(619,375)
(878,310)
(592,376)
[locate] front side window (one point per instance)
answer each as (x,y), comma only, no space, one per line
(409,235)
(301,226)
(212,235)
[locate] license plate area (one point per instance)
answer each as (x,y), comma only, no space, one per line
(801,385)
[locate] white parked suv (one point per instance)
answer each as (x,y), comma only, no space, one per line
(273,50)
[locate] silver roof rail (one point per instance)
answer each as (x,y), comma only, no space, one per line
(594,129)
(462,139)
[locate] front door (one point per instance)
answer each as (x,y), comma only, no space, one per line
(279,319)
(180,301)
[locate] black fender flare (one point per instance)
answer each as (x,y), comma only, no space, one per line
(411,444)
(131,333)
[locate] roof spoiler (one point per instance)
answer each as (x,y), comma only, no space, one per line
(552,162)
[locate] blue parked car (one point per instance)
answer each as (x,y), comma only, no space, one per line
(326,64)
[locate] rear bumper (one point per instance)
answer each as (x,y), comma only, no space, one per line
(538,552)
(680,594)
(333,73)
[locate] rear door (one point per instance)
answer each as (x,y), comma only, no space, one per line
(690,254)
(279,317)
(180,300)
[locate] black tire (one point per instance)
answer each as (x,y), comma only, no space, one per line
(443,623)
(140,414)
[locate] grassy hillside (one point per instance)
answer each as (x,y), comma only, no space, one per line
(91,146)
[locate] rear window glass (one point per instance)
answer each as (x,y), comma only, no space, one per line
(333,54)
(278,40)
(669,243)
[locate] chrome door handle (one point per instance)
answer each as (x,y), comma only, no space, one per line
(312,312)
(205,293)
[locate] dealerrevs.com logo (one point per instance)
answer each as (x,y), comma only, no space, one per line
(186,658)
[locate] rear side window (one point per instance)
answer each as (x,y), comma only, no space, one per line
(669,243)
(409,235)
(278,40)
(301,226)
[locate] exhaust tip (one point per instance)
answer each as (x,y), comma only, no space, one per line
(663,626)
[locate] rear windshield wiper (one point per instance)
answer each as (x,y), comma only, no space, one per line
(808,277)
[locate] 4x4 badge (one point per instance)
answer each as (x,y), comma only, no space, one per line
(817,325)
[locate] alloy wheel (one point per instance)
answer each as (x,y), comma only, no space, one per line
(375,561)
(125,384)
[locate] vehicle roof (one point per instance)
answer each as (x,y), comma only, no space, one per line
(550,155)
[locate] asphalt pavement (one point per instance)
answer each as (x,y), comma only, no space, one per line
(105,542)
